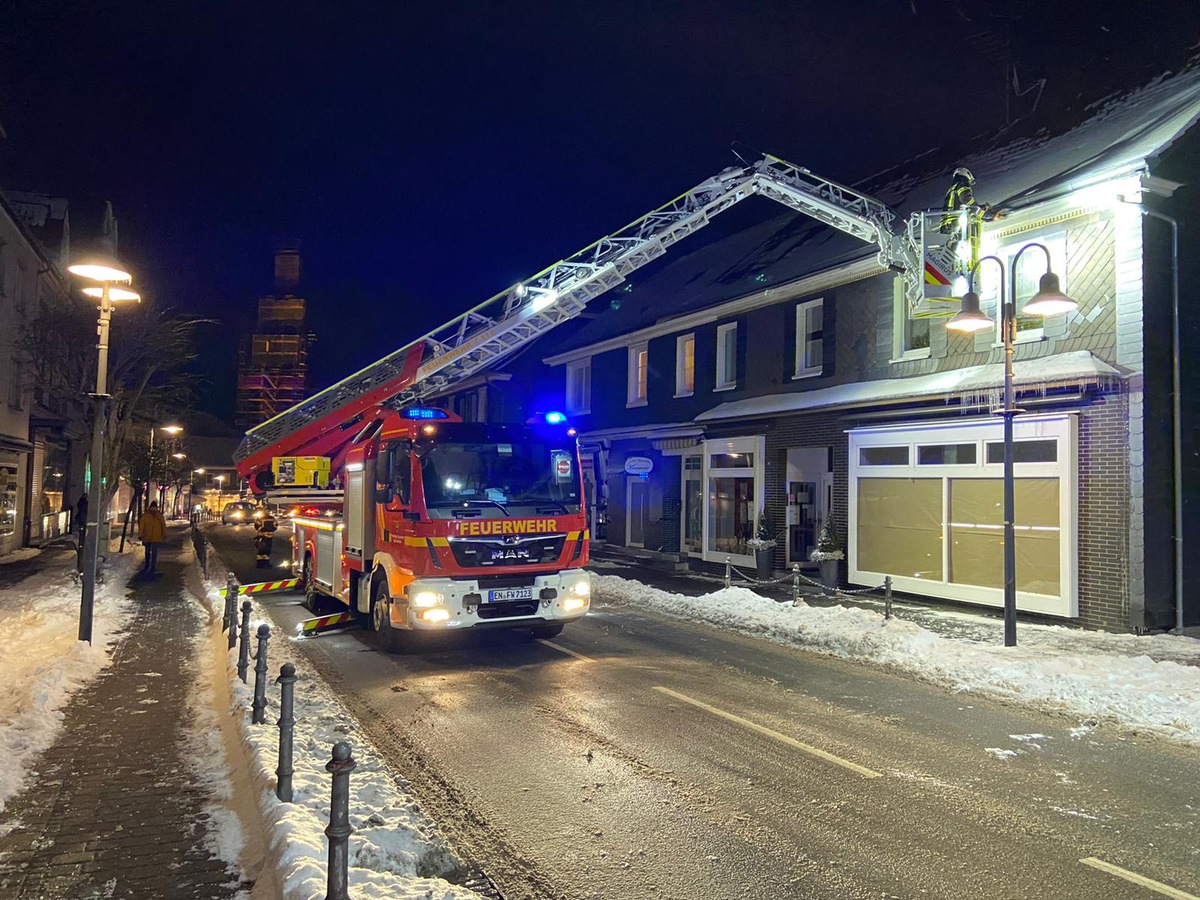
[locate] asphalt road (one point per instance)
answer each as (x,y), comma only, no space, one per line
(636,756)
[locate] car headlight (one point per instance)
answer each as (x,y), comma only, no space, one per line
(426,598)
(581,588)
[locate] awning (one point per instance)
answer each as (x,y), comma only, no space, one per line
(974,383)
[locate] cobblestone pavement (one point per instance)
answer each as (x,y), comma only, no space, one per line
(112,810)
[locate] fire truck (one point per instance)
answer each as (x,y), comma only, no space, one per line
(428,524)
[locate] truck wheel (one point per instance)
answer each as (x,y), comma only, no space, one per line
(311,598)
(543,632)
(390,639)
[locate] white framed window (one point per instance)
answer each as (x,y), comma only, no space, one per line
(733,486)
(685,365)
(926,507)
(579,386)
(1027,278)
(810,338)
(910,336)
(639,370)
(726,357)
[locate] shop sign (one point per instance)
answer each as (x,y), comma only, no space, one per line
(639,465)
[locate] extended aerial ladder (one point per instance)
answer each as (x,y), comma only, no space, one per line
(481,337)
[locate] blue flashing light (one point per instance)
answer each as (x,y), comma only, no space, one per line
(555,418)
(424,412)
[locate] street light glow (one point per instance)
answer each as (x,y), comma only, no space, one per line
(114,293)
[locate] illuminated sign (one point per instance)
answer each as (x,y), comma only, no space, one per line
(488,527)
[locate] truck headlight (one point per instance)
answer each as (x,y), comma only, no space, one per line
(582,588)
(426,598)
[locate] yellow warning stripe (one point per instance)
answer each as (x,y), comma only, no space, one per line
(326,621)
(284,585)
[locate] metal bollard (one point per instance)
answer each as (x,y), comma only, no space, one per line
(795,584)
(258,709)
(339,829)
(887,597)
(229,623)
(728,572)
(243,662)
(287,722)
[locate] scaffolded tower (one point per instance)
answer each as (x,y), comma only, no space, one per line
(273,364)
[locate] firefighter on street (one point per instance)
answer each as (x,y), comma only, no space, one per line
(264,535)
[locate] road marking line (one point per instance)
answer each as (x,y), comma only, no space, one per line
(562,649)
(1157,886)
(782,738)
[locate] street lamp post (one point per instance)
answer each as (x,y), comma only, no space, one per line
(110,273)
(1048,301)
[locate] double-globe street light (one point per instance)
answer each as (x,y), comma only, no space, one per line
(111,275)
(1048,301)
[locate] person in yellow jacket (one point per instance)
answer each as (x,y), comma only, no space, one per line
(152,529)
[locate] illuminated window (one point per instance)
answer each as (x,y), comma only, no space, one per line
(1028,275)
(685,365)
(639,361)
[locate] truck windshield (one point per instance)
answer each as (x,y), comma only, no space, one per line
(499,473)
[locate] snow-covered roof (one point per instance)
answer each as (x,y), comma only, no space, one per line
(756,247)
(1076,367)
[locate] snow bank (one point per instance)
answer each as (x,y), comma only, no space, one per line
(44,662)
(395,850)
(1100,680)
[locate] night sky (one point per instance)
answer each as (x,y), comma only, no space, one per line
(426,155)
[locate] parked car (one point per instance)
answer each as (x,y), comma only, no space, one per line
(238,512)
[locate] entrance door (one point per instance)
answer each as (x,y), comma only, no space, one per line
(809,484)
(638,498)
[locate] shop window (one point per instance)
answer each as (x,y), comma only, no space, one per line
(810,334)
(946,455)
(726,356)
(579,386)
(693,504)
(731,514)
(977,533)
(883,456)
(1024,452)
(8,499)
(900,526)
(685,365)
(639,359)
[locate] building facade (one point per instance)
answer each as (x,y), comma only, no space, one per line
(42,446)
(778,373)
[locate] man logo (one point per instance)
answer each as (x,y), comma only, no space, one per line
(513,553)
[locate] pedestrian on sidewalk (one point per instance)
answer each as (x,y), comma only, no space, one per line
(152,529)
(81,511)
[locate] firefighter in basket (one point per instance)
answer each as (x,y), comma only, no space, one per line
(264,535)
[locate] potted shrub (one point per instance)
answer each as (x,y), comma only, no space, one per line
(829,551)
(762,543)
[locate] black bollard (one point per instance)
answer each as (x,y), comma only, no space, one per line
(229,623)
(887,597)
(244,650)
(287,723)
(258,715)
(339,829)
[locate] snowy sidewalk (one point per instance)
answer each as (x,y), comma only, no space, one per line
(110,808)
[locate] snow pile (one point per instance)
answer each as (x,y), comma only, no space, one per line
(1096,682)
(395,850)
(44,662)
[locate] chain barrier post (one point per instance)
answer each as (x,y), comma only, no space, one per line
(287,723)
(728,572)
(887,597)
(795,584)
(258,708)
(231,594)
(339,829)
(244,650)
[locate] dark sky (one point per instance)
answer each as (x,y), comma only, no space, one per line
(426,155)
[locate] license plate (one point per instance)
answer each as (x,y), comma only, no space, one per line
(525,593)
